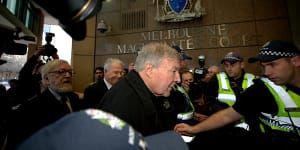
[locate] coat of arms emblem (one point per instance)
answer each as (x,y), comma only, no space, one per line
(177,5)
(178,10)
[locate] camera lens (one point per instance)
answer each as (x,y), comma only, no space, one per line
(72,14)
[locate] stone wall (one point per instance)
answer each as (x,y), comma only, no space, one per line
(227,25)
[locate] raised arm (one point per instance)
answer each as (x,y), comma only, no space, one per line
(218,119)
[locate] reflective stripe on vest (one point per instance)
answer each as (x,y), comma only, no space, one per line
(249,77)
(242,125)
(283,100)
(185,116)
(190,107)
(226,94)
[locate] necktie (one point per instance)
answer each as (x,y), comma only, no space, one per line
(66,102)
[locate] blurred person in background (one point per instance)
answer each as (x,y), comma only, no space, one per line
(113,73)
(99,73)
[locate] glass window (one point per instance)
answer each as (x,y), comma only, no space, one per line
(11,5)
(62,41)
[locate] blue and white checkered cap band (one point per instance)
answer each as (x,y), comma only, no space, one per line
(276,49)
(231,58)
(276,53)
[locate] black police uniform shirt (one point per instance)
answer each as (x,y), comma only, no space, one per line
(257,98)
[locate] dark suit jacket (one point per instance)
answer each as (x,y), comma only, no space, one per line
(94,93)
(131,100)
(38,113)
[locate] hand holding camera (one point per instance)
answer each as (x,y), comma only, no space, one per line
(48,50)
(196,87)
(200,71)
(186,85)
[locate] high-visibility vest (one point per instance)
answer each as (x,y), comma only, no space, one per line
(288,117)
(225,93)
(189,108)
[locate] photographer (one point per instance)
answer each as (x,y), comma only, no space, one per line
(197,93)
(30,85)
(31,69)
(30,77)
(197,86)
(211,72)
(201,78)
(187,78)
(49,52)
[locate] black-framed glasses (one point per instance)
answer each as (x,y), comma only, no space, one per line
(63,72)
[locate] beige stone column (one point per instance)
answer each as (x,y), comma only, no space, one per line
(83,57)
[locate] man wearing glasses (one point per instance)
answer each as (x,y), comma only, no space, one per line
(52,104)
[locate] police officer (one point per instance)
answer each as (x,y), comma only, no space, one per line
(178,107)
(220,93)
(223,88)
(271,105)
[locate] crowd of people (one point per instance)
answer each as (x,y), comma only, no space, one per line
(158,93)
(270,106)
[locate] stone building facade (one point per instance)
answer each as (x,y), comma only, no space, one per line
(205,27)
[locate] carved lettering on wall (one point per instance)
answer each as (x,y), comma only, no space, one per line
(192,38)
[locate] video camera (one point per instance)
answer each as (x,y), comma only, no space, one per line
(71,14)
(8,44)
(49,48)
(196,87)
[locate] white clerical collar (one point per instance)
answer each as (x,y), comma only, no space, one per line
(108,85)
